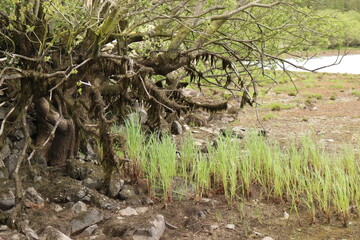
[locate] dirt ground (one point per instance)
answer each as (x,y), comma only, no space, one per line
(328,107)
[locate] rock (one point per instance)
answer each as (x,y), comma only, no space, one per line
(7,199)
(127,192)
(141,210)
(129,211)
(58,208)
(140,200)
(3,170)
(267,238)
(51,233)
(5,151)
(29,233)
(33,199)
(176,128)
(93,183)
(286,215)
(115,186)
(143,115)
(79,207)
(212,227)
(88,231)
(227,119)
(17,135)
(230,226)
(4,228)
(10,162)
(187,92)
(152,231)
(147,201)
(140,116)
(85,220)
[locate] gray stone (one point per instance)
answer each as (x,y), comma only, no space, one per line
(93,183)
(146,200)
(3,112)
(230,226)
(141,210)
(127,192)
(115,186)
(7,199)
(29,232)
(152,231)
(17,135)
(88,231)
(33,199)
(85,220)
(187,92)
(51,233)
(4,228)
(19,145)
(129,211)
(82,194)
(58,208)
(79,207)
(213,227)
(176,128)
(137,200)
(267,238)
(5,151)
(10,162)
(3,170)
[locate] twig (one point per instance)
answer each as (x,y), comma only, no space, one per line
(4,120)
(18,186)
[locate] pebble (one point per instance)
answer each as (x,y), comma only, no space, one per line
(230,226)
(129,211)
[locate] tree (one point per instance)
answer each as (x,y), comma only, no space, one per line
(77,65)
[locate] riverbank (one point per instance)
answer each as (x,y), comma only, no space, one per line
(326,52)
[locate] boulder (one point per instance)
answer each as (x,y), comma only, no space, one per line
(51,233)
(115,186)
(33,199)
(152,231)
(127,192)
(85,220)
(79,207)
(7,199)
(176,128)
(129,211)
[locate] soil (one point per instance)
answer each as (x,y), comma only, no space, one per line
(333,119)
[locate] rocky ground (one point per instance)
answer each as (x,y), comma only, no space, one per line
(68,203)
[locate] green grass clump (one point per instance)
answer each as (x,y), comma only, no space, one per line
(277,106)
(304,173)
(355,93)
(268,116)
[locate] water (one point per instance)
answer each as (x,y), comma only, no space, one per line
(348,64)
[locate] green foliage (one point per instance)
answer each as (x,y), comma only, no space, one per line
(346,28)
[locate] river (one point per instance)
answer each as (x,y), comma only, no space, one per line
(348,64)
